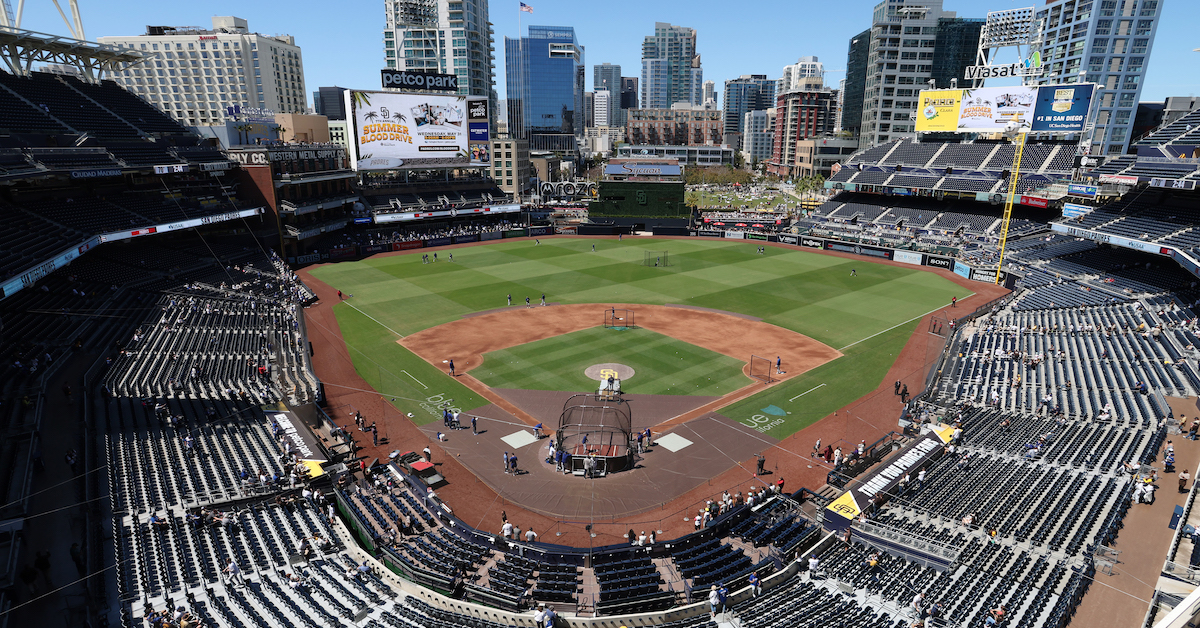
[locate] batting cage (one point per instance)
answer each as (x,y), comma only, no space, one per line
(761,368)
(656,258)
(595,428)
(619,319)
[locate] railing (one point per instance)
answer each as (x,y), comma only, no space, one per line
(906,539)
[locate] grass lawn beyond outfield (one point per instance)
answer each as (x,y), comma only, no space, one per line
(662,365)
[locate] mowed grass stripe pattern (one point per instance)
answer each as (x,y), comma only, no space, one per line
(809,293)
(662,365)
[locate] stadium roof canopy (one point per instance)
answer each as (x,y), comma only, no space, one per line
(21,48)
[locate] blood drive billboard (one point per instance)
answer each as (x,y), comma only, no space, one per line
(407,130)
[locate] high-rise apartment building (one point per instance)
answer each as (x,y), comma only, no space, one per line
(800,115)
(602,108)
(446,36)
(674,127)
(195,75)
(904,40)
(1106,42)
(671,68)
(748,92)
(794,74)
(607,76)
(545,82)
(758,135)
(710,93)
(857,54)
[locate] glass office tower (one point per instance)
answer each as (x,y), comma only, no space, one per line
(545,81)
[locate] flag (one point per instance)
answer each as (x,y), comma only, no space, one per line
(526,8)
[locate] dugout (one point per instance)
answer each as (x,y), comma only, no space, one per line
(594,426)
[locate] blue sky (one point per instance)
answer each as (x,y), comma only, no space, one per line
(342,41)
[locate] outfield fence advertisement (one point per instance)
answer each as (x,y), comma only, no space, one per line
(1045,109)
(407,130)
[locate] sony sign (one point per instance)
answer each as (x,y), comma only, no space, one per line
(981,72)
(403,79)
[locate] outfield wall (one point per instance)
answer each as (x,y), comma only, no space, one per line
(905,256)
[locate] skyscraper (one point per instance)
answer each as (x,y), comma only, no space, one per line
(671,68)
(748,92)
(900,61)
(629,92)
(446,36)
(1110,43)
(545,82)
(710,93)
(328,101)
(251,70)
(602,108)
(607,76)
(793,75)
(856,82)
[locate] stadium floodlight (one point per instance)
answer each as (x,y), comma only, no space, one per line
(1012,27)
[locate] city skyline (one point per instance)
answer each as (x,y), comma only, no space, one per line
(344,48)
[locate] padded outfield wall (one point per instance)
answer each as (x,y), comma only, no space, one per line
(640,199)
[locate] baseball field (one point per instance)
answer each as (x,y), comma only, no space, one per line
(865,317)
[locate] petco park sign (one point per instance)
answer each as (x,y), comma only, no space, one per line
(402,79)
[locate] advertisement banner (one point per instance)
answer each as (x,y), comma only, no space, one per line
(411,244)
(939,110)
(812,243)
(1033,201)
(1074,210)
(1046,109)
(477,110)
(345,253)
(491,235)
(711,234)
(466,238)
(95,174)
(481,154)
(539,231)
(908,461)
(735,235)
(1078,189)
(308,259)
(962,270)
(438,242)
(983,197)
(362,221)
(939,262)
(393,130)
(515,233)
(908,257)
(300,440)
(789,239)
(1118,179)
(755,236)
(1062,108)
(376,248)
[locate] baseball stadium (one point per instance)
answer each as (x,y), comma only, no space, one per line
(256,382)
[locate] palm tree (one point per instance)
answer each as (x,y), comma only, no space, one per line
(370,116)
(242,130)
(399,117)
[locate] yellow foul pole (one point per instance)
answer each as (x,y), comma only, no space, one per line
(1008,204)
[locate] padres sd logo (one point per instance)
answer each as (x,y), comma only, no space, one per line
(607,373)
(844,509)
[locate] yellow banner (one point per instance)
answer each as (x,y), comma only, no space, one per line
(845,506)
(938,110)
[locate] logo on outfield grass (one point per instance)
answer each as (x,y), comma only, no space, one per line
(775,410)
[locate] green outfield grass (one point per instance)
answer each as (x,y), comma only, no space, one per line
(809,293)
(661,364)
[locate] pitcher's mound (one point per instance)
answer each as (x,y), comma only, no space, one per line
(602,371)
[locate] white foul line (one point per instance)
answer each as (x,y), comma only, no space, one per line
(414,379)
(805,392)
(374,319)
(899,324)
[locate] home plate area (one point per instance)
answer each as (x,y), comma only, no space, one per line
(672,442)
(517,440)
